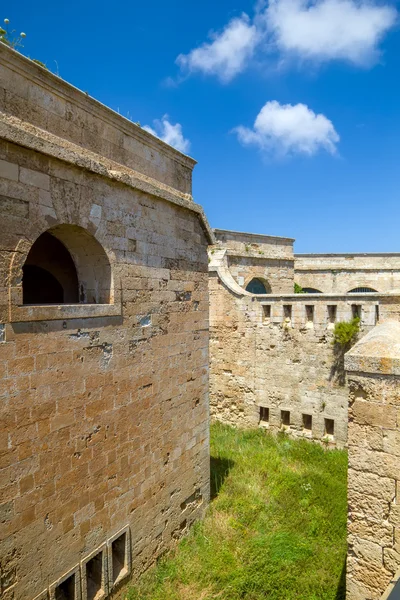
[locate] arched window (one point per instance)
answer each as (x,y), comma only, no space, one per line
(256,286)
(66,265)
(311,291)
(363,290)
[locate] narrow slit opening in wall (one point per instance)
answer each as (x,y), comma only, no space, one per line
(285,417)
(264,414)
(329,427)
(332,312)
(307,422)
(66,589)
(95,577)
(356,310)
(119,558)
(287,311)
(266,312)
(377,314)
(310,313)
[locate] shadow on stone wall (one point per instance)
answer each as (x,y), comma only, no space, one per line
(219,468)
(338,373)
(341,590)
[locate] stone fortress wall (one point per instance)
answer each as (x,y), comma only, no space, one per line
(340,273)
(272,360)
(104,382)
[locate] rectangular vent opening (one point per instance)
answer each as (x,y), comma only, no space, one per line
(264,414)
(332,311)
(266,313)
(329,427)
(307,422)
(66,589)
(356,310)
(285,417)
(287,311)
(95,578)
(119,558)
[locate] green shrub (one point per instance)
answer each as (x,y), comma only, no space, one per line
(346,332)
(298,289)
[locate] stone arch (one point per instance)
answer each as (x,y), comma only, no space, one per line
(88,259)
(363,289)
(258,285)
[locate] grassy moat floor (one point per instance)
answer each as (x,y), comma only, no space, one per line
(275,529)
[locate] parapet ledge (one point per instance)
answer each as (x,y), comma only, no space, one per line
(30,136)
(378,352)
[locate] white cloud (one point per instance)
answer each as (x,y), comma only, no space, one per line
(171,134)
(228,53)
(329,29)
(284,129)
(317,30)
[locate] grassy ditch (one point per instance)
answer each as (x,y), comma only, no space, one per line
(276,527)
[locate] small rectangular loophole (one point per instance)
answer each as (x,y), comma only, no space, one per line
(307,422)
(264,414)
(376,314)
(356,311)
(332,311)
(329,427)
(95,578)
(266,313)
(287,311)
(285,417)
(66,589)
(310,314)
(119,558)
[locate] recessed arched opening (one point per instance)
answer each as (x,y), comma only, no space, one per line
(258,286)
(308,290)
(66,265)
(363,290)
(49,273)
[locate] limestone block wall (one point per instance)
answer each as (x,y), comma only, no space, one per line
(340,273)
(373,367)
(104,457)
(265,257)
(35,95)
(272,355)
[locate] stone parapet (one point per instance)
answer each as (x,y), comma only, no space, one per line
(374,462)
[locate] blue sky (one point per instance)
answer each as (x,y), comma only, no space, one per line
(321,165)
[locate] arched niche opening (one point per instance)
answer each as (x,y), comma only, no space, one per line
(66,265)
(308,290)
(258,286)
(362,290)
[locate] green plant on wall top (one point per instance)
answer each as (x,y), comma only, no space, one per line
(345,332)
(10,37)
(298,289)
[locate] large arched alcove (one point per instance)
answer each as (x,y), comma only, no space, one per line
(66,265)
(258,286)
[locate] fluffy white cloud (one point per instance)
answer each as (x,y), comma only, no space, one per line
(228,53)
(318,30)
(171,134)
(329,29)
(285,129)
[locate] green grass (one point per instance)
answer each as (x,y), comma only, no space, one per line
(275,529)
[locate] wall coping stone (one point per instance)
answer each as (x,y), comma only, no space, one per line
(30,136)
(265,238)
(378,352)
(53,83)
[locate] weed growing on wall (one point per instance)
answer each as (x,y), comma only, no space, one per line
(298,289)
(344,335)
(345,332)
(10,37)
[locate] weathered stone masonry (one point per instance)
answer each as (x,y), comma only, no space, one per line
(272,359)
(104,455)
